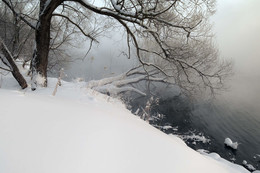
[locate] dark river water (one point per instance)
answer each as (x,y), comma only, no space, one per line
(242,124)
(206,125)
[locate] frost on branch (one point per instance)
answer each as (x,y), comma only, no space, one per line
(122,83)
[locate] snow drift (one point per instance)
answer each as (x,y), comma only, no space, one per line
(80,130)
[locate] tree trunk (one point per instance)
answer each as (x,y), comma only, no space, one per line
(11,64)
(16,36)
(42,37)
(40,56)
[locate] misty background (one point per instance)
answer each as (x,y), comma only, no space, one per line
(236,25)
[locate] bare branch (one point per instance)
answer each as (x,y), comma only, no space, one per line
(5,69)
(87,35)
(19,15)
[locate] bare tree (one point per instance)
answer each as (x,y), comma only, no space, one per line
(17,35)
(178,30)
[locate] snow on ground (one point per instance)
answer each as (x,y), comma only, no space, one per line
(80,130)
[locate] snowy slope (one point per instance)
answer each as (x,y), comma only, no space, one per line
(80,130)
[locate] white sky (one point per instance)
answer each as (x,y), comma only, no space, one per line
(237,28)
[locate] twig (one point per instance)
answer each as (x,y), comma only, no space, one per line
(58,83)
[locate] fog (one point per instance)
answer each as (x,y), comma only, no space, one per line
(237,27)
(106,58)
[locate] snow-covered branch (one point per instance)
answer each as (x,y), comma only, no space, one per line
(123,82)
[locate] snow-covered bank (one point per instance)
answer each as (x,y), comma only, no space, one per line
(80,130)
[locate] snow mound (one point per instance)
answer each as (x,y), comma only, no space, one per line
(230,143)
(225,163)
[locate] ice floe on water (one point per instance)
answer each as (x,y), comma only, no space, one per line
(195,138)
(248,166)
(230,143)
